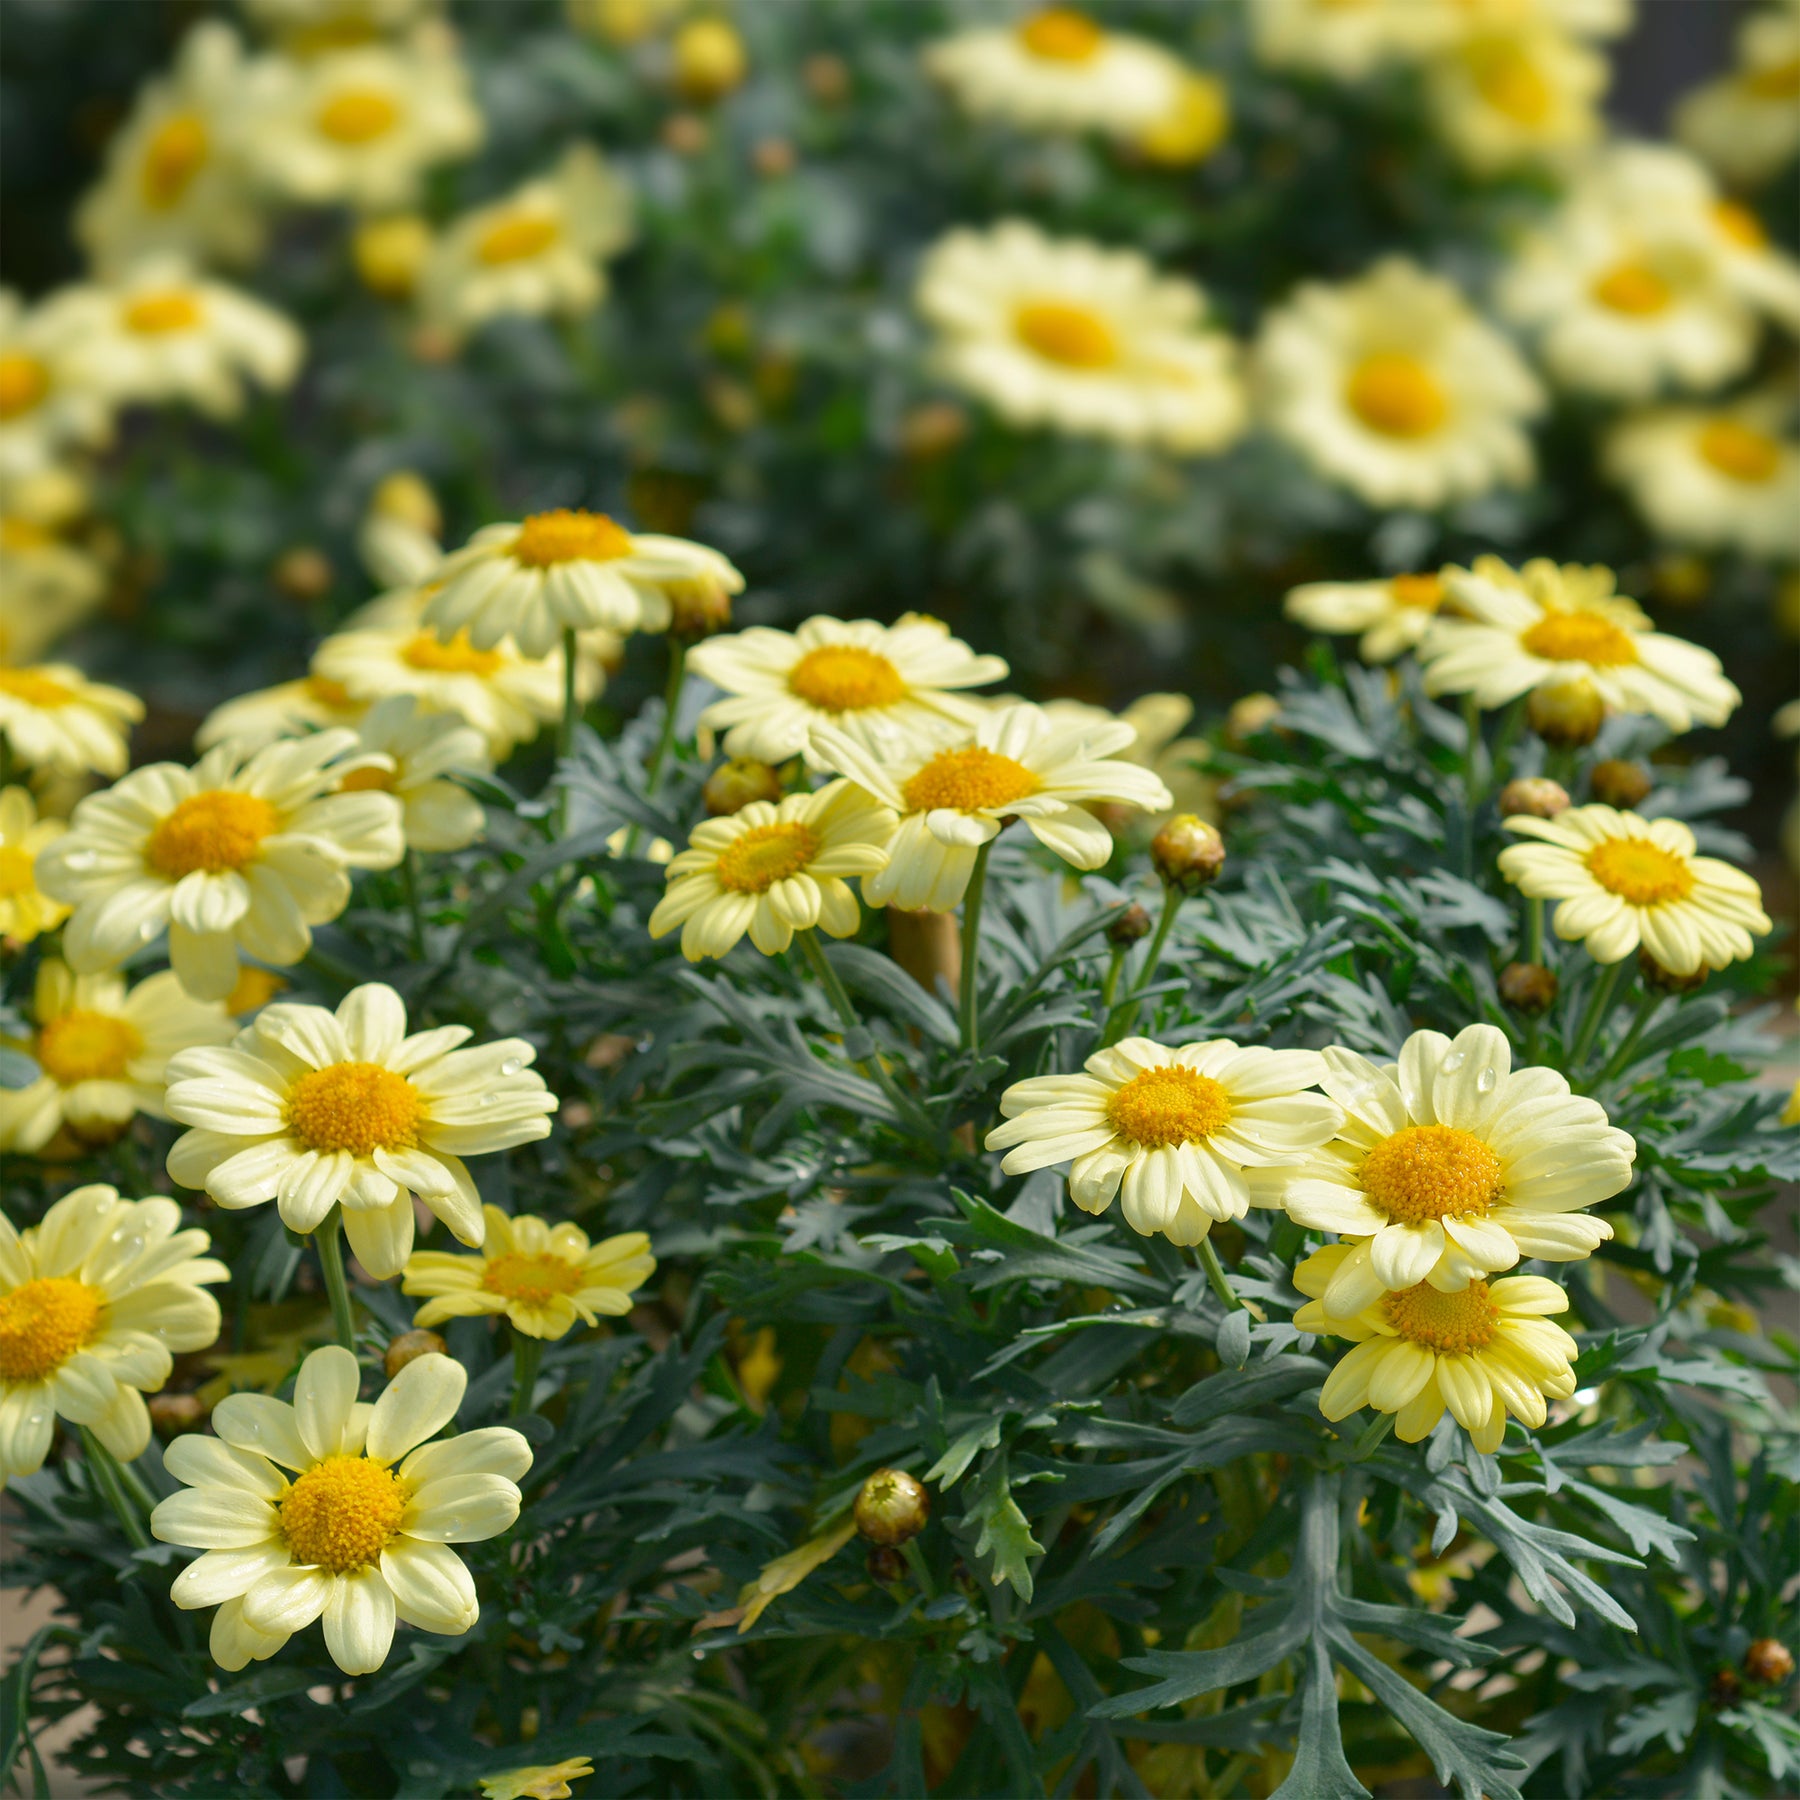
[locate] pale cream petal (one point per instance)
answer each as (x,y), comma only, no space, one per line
(359,1621)
(324,1393)
(419,1402)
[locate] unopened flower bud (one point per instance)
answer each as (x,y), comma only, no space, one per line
(389,253)
(735,784)
(1666,981)
(1769,1660)
(710,60)
(409,1346)
(1535,796)
(303,573)
(885,1565)
(1188,853)
(1250,716)
(685,133)
(1725,1690)
(1616,782)
(699,607)
(1568,714)
(1128,928)
(826,78)
(173,1414)
(892,1507)
(772,157)
(1191,127)
(1528,987)
(933,429)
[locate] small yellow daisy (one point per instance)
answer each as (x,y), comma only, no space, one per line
(53,717)
(25,909)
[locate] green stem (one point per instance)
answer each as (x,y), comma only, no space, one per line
(1511,722)
(971,947)
(1110,986)
(1215,1274)
(1534,931)
(845,1008)
(1620,1060)
(665,741)
(1472,782)
(104,1469)
(921,1573)
(414,905)
(1124,1016)
(571,714)
(331,1261)
(527,1353)
(1599,1008)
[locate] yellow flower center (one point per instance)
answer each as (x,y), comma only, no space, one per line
(1779,81)
(43,1324)
(1424,591)
(455,656)
(152,315)
(845,678)
(175,154)
(23,534)
(35,689)
(1073,336)
(82,1045)
(1431,1172)
(1396,395)
(357,116)
(1447,1323)
(1740,451)
(1639,872)
(1061,34)
(18,872)
(24,381)
(326,692)
(766,854)
(1509,81)
(342,1513)
(513,240)
(1633,288)
(971,780)
(254,990)
(1168,1105)
(532,1279)
(564,536)
(356,1106)
(1737,222)
(363,781)
(1579,637)
(214,831)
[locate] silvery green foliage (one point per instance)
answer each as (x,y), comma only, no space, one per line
(1147,1547)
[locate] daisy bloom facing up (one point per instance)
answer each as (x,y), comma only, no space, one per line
(1171,1132)
(290,709)
(234,854)
(1393,614)
(1064,333)
(95,1301)
(311,1109)
(884,684)
(420,751)
(1624,882)
(543,1277)
(53,717)
(332,1507)
(562,571)
(1525,95)
(103,1052)
(774,870)
(1450,1166)
(43,411)
(1483,1352)
(1393,387)
(954,796)
(1550,623)
(25,910)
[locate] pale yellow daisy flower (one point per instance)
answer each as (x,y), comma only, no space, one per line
(311,1109)
(290,709)
(330,1507)
(1346,42)
(52,717)
(47,587)
(45,410)
(542,1277)
(419,751)
(537,1781)
(1392,613)
(1624,882)
(25,909)
(1524,95)
(1171,1132)
(95,1301)
(102,1051)
(233,855)
(1451,1164)
(1483,1352)
(1746,124)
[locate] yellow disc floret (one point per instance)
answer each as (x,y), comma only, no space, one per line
(1634,289)
(1070,335)
(214,831)
(1397,396)
(434,655)
(1423,591)
(1451,1324)
(516,239)
(35,689)
(342,1513)
(564,536)
(1169,1105)
(176,153)
(24,381)
(531,1279)
(970,780)
(43,1324)
(1061,34)
(766,854)
(18,872)
(1639,872)
(846,678)
(1579,637)
(1507,78)
(1740,451)
(82,1045)
(155,315)
(357,116)
(1431,1172)
(356,1106)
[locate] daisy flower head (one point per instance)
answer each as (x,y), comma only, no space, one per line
(885,684)
(418,752)
(45,409)
(1765,275)
(1172,1132)
(102,1051)
(565,570)
(774,870)
(1068,334)
(1344,43)
(542,1277)
(331,1507)
(95,1301)
(25,909)
(956,794)
(1057,70)
(1451,1164)
(1392,386)
(1525,94)
(237,854)
(1392,614)
(1715,478)
(1484,1351)
(1746,124)
(47,586)
(52,717)
(290,709)
(312,1109)
(1625,882)
(1519,630)
(538,251)
(174,178)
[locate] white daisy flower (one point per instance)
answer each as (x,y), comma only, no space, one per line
(53,717)
(1516,96)
(312,1109)
(1747,124)
(237,854)
(45,409)
(1065,333)
(101,1051)
(287,710)
(26,911)
(887,684)
(336,1509)
(1623,882)
(419,751)
(1392,614)
(1548,624)
(1171,1132)
(1017,762)
(559,571)
(1392,386)
(95,1301)
(1346,43)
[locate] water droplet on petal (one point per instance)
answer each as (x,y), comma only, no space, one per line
(1487,1081)
(511,1066)
(1453,1061)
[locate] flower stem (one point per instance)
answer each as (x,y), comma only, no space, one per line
(1599,1008)
(1216,1276)
(331,1261)
(1110,986)
(671,706)
(1534,931)
(1124,1015)
(527,1353)
(1620,1060)
(106,1474)
(921,1573)
(571,714)
(414,905)
(970,998)
(845,1008)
